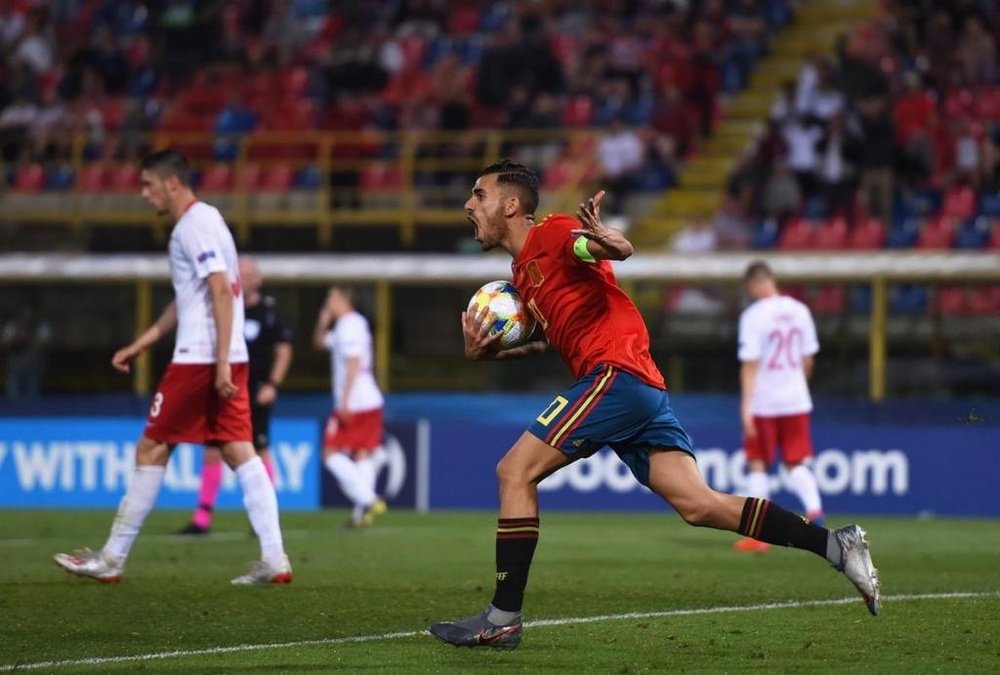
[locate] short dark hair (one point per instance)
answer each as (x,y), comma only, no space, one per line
(521,177)
(758,270)
(168,162)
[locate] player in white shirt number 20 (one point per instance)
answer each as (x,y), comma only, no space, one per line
(777,346)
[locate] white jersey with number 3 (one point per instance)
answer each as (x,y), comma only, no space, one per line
(777,332)
(201,244)
(352,338)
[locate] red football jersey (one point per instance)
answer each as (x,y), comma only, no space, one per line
(586,317)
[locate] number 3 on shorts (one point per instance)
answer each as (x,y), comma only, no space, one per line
(154,409)
(549,414)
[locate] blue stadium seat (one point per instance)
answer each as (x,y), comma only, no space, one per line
(918,202)
(989,205)
(903,233)
(59,179)
(973,233)
(765,234)
(306,178)
(908,299)
(861,299)
(655,176)
(814,209)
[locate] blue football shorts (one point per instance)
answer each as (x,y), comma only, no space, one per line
(612,407)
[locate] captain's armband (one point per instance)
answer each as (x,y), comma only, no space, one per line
(581,251)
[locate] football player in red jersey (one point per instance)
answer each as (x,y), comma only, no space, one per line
(562,270)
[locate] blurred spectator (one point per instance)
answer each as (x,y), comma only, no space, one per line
(838,153)
(782,194)
(976,52)
(802,135)
(730,225)
(15,122)
(876,155)
(12,24)
(620,155)
(107,58)
(698,237)
(233,121)
(34,47)
(674,125)
(24,339)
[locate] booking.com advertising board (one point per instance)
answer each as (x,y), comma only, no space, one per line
(85,462)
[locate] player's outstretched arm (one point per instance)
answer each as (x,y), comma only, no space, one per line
(603,242)
(122,359)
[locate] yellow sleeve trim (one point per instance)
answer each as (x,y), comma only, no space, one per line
(581,250)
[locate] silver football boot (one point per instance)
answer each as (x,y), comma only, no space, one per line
(263,573)
(856,564)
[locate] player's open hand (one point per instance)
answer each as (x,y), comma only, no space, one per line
(224,380)
(589,215)
(479,344)
(122,360)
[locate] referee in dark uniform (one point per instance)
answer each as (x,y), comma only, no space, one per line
(269,343)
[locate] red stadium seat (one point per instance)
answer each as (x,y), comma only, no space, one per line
(994,243)
(29,178)
(381,176)
(218,178)
(797,291)
(937,233)
(124,178)
(578,111)
(952,300)
(293,83)
(867,235)
(832,234)
(93,178)
(557,175)
(984,300)
(276,178)
(797,235)
(959,202)
(830,299)
(250,177)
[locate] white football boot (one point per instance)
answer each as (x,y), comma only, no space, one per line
(856,564)
(263,573)
(93,564)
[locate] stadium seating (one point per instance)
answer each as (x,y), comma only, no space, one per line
(797,235)
(973,234)
(866,235)
(829,299)
(937,233)
(831,234)
(903,233)
(29,178)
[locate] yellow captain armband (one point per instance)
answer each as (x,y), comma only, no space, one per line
(581,250)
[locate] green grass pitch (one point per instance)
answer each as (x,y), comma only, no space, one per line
(388,583)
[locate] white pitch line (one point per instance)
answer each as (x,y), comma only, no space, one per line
(211,538)
(211,651)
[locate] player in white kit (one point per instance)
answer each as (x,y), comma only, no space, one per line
(354,428)
(202,397)
(777,346)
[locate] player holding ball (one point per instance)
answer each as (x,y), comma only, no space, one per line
(562,271)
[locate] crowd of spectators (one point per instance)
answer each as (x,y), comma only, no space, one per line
(901,126)
(649,71)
